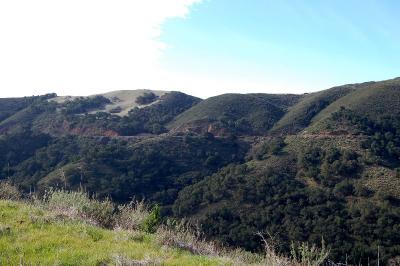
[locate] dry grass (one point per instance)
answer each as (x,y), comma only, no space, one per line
(79,206)
(131,216)
(187,237)
(8,191)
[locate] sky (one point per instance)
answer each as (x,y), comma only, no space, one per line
(200,47)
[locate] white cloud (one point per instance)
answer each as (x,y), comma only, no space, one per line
(82,47)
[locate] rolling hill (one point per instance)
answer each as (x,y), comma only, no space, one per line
(244,114)
(323,165)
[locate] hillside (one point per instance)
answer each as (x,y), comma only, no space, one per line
(324,165)
(32,236)
(72,228)
(244,114)
(121,102)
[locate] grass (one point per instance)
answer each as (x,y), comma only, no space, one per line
(30,235)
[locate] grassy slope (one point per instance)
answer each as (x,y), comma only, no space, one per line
(27,236)
(372,99)
(302,113)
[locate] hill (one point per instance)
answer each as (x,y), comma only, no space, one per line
(244,114)
(301,114)
(121,102)
(303,168)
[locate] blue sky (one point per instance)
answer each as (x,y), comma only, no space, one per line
(286,45)
(201,47)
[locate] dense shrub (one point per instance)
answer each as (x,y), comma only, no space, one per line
(146,98)
(152,220)
(82,105)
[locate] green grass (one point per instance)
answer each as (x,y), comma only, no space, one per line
(29,235)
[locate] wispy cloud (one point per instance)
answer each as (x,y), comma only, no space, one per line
(82,46)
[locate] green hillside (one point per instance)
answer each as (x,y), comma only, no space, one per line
(237,113)
(374,100)
(301,114)
(301,168)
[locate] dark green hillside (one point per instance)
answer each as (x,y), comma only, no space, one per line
(17,113)
(235,113)
(155,168)
(305,191)
(10,106)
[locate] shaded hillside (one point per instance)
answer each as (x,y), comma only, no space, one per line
(17,113)
(154,168)
(244,114)
(10,106)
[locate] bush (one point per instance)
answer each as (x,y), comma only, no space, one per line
(79,205)
(82,105)
(8,191)
(146,98)
(304,254)
(185,236)
(100,212)
(132,216)
(152,220)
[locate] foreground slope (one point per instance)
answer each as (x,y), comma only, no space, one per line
(29,236)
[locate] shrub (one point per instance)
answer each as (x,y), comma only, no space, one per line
(79,205)
(8,191)
(146,98)
(100,212)
(132,216)
(304,254)
(83,105)
(185,236)
(152,220)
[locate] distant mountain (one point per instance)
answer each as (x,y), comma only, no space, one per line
(323,165)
